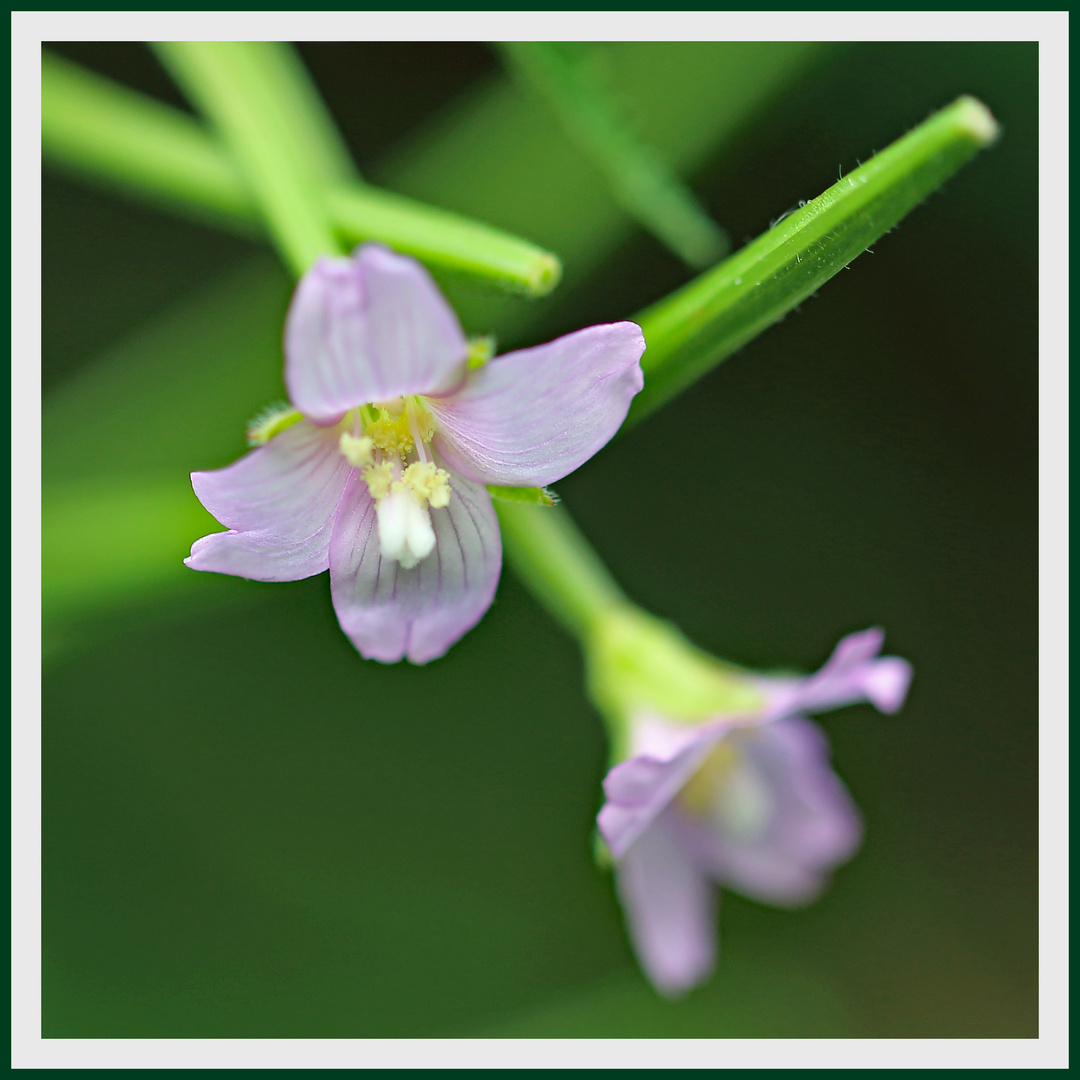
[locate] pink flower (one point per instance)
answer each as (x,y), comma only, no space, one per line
(745,801)
(383,480)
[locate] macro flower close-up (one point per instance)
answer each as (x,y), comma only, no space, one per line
(744,800)
(379,475)
(477,478)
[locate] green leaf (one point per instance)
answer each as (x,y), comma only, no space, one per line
(698,326)
(640,180)
(114,136)
(534,495)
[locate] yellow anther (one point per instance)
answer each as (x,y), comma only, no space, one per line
(428,483)
(700,794)
(356,449)
(378,478)
(391,433)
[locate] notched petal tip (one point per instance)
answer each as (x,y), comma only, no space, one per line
(278,502)
(639,789)
(368,328)
(888,682)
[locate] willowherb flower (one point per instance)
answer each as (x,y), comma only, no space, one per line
(378,473)
(745,799)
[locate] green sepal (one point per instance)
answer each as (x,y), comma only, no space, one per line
(637,663)
(481,350)
(536,496)
(601,853)
(271,421)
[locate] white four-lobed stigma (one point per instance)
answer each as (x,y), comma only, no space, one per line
(405,532)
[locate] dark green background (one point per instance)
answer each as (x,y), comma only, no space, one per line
(250,832)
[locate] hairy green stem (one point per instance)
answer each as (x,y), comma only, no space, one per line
(693,329)
(562,570)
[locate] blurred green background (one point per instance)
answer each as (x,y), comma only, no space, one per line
(250,832)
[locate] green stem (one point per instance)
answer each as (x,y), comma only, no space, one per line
(444,239)
(107,132)
(692,330)
(305,126)
(116,136)
(641,183)
(230,85)
(551,556)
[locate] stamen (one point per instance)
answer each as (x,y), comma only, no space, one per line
(356,451)
(378,479)
(729,791)
(481,350)
(391,434)
(410,412)
(428,483)
(699,793)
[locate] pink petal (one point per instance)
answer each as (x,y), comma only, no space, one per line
(670,910)
(279,504)
(368,328)
(638,789)
(813,824)
(853,673)
(531,417)
(390,613)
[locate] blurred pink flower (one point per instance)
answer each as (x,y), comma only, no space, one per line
(744,801)
(383,480)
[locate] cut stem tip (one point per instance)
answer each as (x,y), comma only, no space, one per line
(977,119)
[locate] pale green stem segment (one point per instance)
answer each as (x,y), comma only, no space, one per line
(233,85)
(556,562)
(122,138)
(305,126)
(441,238)
(695,328)
(642,184)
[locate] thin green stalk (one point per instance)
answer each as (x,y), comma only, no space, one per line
(107,132)
(116,136)
(559,566)
(693,329)
(444,239)
(305,124)
(230,85)
(641,183)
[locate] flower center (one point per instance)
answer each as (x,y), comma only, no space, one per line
(390,444)
(730,793)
